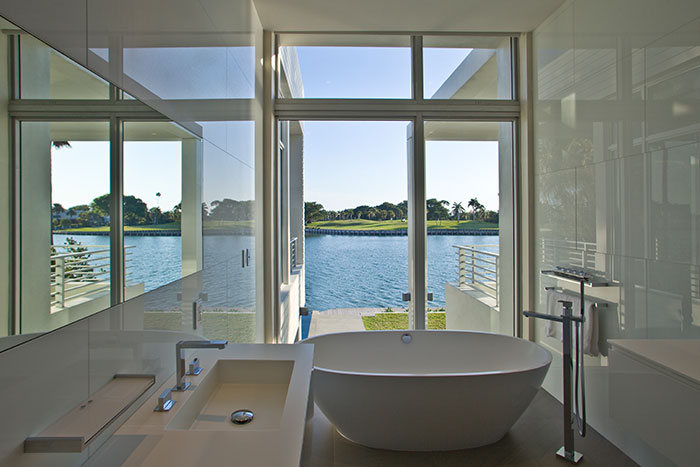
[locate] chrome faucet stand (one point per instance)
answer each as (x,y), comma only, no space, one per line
(567,451)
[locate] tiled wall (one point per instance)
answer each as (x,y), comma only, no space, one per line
(198,63)
(617,174)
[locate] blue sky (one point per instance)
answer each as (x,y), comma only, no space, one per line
(346,163)
(353,163)
(149,167)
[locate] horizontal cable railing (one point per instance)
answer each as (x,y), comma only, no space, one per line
(478,268)
(79,270)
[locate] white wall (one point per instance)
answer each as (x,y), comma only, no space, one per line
(617,175)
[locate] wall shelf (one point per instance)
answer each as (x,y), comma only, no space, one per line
(78,428)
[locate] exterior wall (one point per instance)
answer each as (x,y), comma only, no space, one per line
(464,311)
(617,184)
(147,49)
(291,298)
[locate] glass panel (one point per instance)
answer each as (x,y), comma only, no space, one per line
(463,67)
(355,208)
(228,278)
(192,72)
(65,222)
(153,204)
(469,229)
(47,74)
(345,66)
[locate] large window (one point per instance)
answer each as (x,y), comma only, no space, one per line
(457,157)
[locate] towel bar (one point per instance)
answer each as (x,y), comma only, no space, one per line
(561,290)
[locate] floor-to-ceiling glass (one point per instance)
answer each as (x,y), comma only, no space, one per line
(469,181)
(356,219)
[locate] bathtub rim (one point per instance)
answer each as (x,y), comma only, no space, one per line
(548,355)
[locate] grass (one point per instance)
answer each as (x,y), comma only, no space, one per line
(105,228)
(365,224)
(207,224)
(398,320)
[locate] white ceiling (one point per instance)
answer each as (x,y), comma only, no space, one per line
(404,15)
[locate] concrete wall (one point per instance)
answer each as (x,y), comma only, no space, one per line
(464,310)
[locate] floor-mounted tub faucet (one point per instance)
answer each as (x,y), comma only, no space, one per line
(180,383)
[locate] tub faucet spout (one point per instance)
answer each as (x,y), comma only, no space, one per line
(180,383)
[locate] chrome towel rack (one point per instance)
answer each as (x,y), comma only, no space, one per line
(561,290)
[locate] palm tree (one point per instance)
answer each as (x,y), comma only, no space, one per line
(475,206)
(61,144)
(57,210)
(457,210)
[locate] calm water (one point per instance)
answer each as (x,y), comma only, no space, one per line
(341,271)
(156,261)
(358,272)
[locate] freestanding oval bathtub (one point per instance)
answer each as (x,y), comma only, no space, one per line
(441,391)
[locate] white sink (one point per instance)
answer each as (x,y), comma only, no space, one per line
(272,381)
(260,386)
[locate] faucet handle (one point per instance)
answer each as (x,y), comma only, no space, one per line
(165,401)
(195,369)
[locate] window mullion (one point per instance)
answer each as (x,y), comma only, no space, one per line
(116,210)
(417,68)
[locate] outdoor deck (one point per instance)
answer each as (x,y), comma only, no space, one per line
(339,320)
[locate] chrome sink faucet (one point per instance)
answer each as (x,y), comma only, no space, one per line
(180,383)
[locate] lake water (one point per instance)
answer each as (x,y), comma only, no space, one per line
(341,271)
(365,271)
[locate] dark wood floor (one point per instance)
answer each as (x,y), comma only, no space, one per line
(532,441)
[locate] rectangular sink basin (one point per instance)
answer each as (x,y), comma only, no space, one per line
(260,386)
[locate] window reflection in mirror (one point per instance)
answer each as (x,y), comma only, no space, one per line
(58,183)
(47,74)
(65,220)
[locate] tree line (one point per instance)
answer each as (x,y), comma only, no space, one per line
(137,212)
(435,210)
(96,214)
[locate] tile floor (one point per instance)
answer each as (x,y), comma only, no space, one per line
(531,442)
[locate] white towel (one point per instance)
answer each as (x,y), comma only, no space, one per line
(590,327)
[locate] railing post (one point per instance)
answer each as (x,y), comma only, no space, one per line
(60,281)
(498,282)
(460,256)
(473,266)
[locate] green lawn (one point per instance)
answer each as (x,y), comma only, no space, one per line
(105,228)
(399,320)
(208,224)
(365,224)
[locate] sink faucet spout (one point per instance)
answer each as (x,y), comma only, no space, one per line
(180,383)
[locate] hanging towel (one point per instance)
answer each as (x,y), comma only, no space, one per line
(590,326)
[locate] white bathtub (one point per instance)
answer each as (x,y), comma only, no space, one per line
(443,390)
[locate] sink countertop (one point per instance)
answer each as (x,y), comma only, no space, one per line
(160,446)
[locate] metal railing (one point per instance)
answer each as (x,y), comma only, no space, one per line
(478,268)
(79,270)
(292,254)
